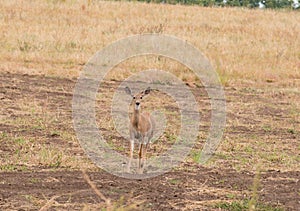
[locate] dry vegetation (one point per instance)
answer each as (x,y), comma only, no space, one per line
(45,44)
(58,37)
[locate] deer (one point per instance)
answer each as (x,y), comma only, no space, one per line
(141,128)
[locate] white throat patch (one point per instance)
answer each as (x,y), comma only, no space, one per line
(137,107)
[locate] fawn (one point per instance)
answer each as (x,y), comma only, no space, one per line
(141,128)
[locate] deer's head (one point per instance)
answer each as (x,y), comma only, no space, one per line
(137,98)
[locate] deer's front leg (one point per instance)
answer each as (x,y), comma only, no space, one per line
(131,154)
(144,155)
(140,157)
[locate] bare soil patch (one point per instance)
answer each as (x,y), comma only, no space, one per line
(261,128)
(175,190)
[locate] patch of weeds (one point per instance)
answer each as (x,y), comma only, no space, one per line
(8,167)
(267,128)
(34,180)
(218,157)
(161,82)
(114,190)
(121,205)
(291,131)
(24,46)
(120,148)
(37,127)
(55,133)
(115,146)
(20,141)
(253,136)
(69,64)
(50,157)
(72,45)
(242,159)
(174,181)
(18,152)
(118,205)
(171,137)
(225,79)
(267,207)
(196,155)
(248,90)
(56,1)
(3,135)
(276,158)
(231,196)
(28,197)
(67,136)
(148,206)
(249,149)
(222,156)
(233,206)
(273,157)
(235,187)
(244,205)
(222,181)
(32,199)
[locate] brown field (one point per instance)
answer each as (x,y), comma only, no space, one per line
(44,46)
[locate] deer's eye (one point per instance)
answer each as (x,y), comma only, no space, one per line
(141,97)
(133,97)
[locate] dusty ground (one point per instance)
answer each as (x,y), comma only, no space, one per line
(258,161)
(199,188)
(41,161)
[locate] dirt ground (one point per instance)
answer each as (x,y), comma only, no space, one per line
(262,127)
(193,190)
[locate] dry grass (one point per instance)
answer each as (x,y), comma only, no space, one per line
(58,37)
(37,139)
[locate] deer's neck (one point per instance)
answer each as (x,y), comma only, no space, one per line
(136,118)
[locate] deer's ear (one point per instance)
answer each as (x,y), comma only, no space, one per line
(128,90)
(147,91)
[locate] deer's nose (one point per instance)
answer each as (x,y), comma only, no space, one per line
(137,103)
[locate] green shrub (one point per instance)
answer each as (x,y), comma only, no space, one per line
(230,3)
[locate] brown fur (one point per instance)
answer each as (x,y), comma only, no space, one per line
(142,127)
